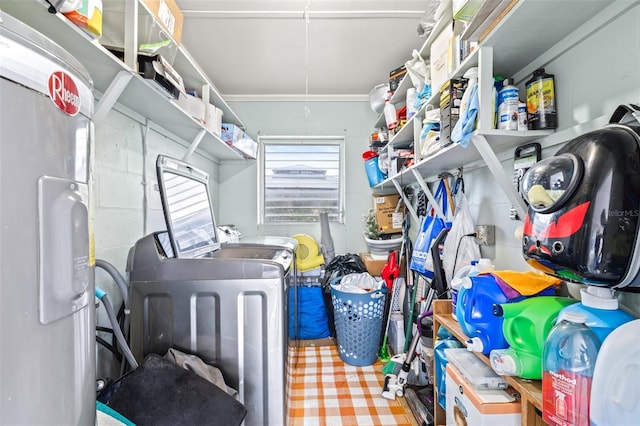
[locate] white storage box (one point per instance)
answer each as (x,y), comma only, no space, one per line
(479,407)
(192,105)
(213,119)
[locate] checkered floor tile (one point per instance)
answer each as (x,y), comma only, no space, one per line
(326,391)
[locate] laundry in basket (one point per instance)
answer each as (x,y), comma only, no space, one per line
(358,319)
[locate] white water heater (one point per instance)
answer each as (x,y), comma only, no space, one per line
(47,324)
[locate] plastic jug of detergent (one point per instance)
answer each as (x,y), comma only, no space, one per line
(569,358)
(600,308)
(474,268)
(526,325)
(474,310)
(475,313)
(615,394)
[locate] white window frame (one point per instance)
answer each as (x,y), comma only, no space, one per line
(300,140)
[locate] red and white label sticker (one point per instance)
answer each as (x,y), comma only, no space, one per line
(63,92)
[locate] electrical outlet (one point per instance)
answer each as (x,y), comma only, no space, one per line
(485,235)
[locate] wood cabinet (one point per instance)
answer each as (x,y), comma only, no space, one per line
(530,390)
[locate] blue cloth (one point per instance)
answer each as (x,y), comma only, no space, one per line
(464,127)
(312,318)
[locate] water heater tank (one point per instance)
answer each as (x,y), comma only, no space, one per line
(47,325)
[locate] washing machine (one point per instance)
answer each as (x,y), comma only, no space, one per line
(225,303)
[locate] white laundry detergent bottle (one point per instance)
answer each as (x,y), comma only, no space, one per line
(615,395)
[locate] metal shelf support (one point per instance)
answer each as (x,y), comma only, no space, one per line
(427,192)
(194,144)
(492,162)
(111,95)
(407,203)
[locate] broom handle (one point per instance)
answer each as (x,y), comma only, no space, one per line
(452,206)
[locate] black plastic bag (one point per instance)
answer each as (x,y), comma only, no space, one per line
(339,266)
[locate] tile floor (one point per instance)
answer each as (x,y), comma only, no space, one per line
(325,391)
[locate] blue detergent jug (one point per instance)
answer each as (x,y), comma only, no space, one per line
(601,310)
(474,311)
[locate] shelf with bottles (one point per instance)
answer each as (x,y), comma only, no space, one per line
(507,49)
(116,81)
(530,390)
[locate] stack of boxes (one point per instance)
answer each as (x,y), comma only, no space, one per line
(389,223)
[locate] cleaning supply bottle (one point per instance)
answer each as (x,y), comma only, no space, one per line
(390,115)
(600,307)
(541,101)
(474,268)
(616,375)
(497,86)
(474,310)
(526,325)
(569,358)
(508,99)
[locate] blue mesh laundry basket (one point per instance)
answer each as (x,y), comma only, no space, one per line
(358,321)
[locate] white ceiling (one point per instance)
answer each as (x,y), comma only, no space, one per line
(283,49)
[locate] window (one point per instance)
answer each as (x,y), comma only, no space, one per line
(300,177)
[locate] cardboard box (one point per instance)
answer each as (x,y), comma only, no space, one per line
(168,14)
(440,50)
(235,137)
(450,98)
(389,220)
(396,76)
(374,266)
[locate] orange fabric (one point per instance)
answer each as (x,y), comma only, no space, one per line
(526,283)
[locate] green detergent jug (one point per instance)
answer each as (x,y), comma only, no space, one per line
(526,326)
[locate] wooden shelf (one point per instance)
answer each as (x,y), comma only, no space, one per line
(529,390)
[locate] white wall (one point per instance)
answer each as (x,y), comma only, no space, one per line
(238,183)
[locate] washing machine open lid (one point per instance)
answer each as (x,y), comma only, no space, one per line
(191,225)
(188,213)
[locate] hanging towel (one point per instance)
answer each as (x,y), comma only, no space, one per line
(464,127)
(525,283)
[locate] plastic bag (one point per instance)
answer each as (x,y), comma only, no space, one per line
(460,248)
(358,283)
(430,228)
(339,266)
(430,135)
(418,70)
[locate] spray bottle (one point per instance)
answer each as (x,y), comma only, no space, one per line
(390,115)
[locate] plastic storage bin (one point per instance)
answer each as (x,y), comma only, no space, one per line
(358,321)
(478,374)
